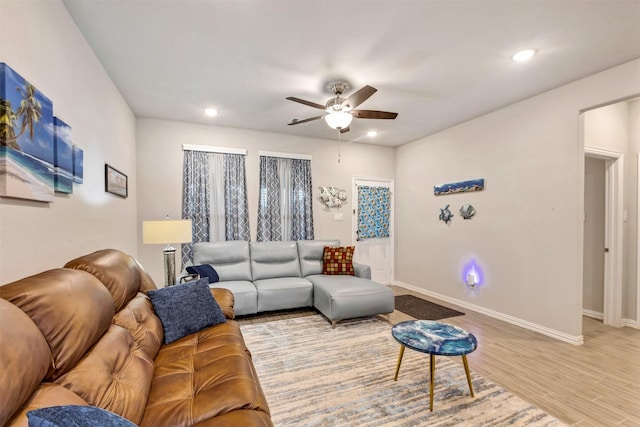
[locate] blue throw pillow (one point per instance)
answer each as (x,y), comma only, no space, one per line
(75,416)
(185,309)
(204,270)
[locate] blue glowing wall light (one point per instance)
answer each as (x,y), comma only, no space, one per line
(472,268)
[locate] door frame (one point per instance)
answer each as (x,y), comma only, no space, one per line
(614,216)
(354,219)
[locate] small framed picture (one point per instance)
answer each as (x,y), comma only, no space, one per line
(115,182)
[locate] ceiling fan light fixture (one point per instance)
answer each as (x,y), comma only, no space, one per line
(338,120)
(524,55)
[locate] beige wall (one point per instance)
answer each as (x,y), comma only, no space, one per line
(594,224)
(527,233)
(159,164)
(40,41)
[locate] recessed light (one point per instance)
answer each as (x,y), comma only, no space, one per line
(372,133)
(211,112)
(524,55)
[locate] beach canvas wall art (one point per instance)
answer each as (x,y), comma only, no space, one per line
(459,187)
(26,139)
(63,157)
(78,164)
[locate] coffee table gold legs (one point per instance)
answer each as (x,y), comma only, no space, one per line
(432,373)
(432,368)
(399,361)
(466,370)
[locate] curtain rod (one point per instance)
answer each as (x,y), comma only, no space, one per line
(210,149)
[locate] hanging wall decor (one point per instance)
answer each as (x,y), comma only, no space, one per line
(26,139)
(332,197)
(115,182)
(445,215)
(78,165)
(467,211)
(63,157)
(459,187)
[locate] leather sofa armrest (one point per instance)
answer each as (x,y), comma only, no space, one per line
(362,270)
(225,300)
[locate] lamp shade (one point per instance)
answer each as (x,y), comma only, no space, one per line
(166,231)
(338,119)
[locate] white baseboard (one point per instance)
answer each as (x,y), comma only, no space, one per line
(571,339)
(592,314)
(630,323)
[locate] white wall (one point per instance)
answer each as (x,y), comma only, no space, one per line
(527,233)
(594,224)
(40,41)
(160,159)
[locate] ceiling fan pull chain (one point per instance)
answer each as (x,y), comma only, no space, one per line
(339,138)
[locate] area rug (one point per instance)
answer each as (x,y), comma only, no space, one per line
(423,309)
(313,375)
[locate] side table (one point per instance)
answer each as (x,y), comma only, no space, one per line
(436,339)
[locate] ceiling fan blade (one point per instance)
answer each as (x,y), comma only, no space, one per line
(309,103)
(344,130)
(297,122)
(372,114)
(360,96)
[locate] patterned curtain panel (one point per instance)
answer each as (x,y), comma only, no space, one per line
(301,200)
(374,210)
(196,198)
(235,192)
(269,204)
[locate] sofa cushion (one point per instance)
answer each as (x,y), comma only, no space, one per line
(48,394)
(185,309)
(118,271)
(230,259)
(114,375)
(245,295)
(284,293)
(274,259)
(204,270)
(345,297)
(24,359)
(142,323)
(338,260)
(202,376)
(310,254)
(71,308)
(77,416)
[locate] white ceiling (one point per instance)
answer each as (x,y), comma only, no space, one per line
(436,63)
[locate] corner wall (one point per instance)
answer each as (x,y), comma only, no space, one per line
(40,41)
(160,160)
(527,233)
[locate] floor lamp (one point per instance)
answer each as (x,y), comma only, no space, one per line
(167,232)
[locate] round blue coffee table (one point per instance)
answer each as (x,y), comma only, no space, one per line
(436,339)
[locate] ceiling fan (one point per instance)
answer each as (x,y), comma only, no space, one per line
(338,112)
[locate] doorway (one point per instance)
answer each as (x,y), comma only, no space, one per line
(594,237)
(613,223)
(376,248)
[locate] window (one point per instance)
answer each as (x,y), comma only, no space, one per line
(214,197)
(285,210)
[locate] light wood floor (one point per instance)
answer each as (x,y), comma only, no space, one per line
(595,384)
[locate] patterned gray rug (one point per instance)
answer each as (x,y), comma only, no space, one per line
(313,375)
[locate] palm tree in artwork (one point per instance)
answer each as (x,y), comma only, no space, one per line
(8,120)
(30,109)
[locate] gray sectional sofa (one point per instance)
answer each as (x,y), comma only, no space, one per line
(268,276)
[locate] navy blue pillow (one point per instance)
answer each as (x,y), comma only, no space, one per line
(75,416)
(204,270)
(185,309)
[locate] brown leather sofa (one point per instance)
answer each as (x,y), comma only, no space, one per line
(87,334)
